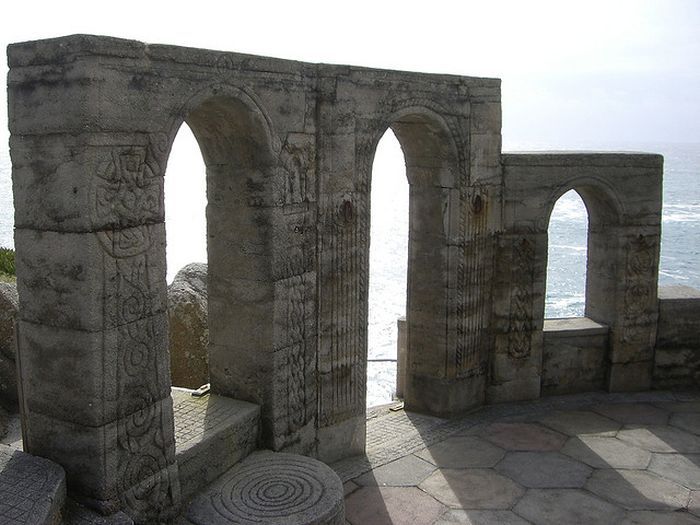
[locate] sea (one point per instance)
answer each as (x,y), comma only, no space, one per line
(680,244)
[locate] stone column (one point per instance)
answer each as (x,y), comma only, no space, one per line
(343,260)
(90,244)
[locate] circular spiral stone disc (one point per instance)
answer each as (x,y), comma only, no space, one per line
(272,488)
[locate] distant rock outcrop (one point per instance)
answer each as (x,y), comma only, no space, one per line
(189,329)
(9,306)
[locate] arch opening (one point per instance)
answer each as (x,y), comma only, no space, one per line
(567,258)
(387,268)
(431,165)
(186,256)
(233,141)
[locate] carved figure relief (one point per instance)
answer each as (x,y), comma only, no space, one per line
(298,159)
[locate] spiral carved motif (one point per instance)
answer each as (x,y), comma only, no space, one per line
(279,488)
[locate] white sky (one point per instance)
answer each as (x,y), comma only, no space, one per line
(610,71)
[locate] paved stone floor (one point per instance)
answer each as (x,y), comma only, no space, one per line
(583,459)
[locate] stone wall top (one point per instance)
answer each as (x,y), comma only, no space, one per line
(583,158)
(574,326)
(678,293)
(68,48)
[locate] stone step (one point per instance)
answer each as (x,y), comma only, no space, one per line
(32,489)
(270,488)
(212,433)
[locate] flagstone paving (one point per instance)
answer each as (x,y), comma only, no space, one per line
(584,459)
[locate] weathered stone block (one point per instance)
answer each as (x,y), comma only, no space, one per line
(42,94)
(104,464)
(679,308)
(574,356)
(91,281)
(32,489)
(211,427)
(677,356)
(343,439)
(92,378)
(443,397)
(524,389)
(486,117)
(630,377)
(117,186)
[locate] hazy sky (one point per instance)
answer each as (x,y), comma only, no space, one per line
(573,72)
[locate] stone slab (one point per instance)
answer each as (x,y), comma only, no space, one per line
(523,437)
(472,489)
(391,505)
(581,422)
(694,503)
(405,472)
(679,406)
(480,517)
(638,490)
(558,506)
(648,517)
(606,452)
(32,489)
(663,439)
(684,469)
(544,470)
(688,421)
(274,488)
(462,452)
(633,413)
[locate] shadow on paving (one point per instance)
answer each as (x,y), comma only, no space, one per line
(592,458)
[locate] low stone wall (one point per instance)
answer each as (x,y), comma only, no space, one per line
(574,356)
(677,360)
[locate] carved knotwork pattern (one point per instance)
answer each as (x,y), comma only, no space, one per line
(128,189)
(640,266)
(128,186)
(520,321)
(296,377)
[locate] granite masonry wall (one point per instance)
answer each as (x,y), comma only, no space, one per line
(288,148)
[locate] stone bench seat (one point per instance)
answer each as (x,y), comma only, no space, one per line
(32,489)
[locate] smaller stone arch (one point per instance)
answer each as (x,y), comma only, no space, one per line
(606,215)
(622,195)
